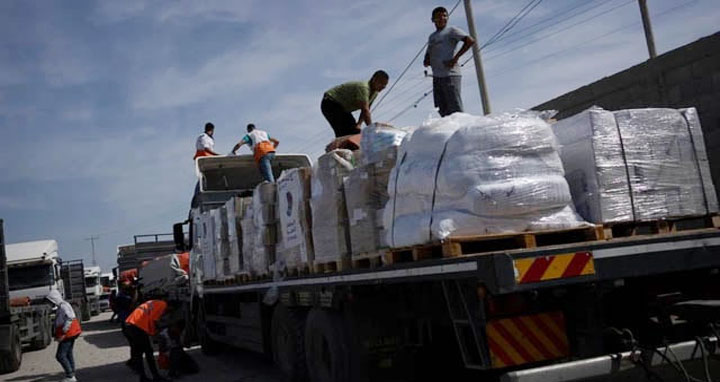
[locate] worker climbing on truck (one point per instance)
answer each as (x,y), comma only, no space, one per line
(67,330)
(263,147)
(140,326)
(339,102)
(441,57)
(205,144)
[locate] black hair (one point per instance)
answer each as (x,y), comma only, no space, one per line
(438,10)
(381,74)
(209,126)
(250,127)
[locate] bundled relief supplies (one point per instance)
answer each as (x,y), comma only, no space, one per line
(209,264)
(365,197)
(635,165)
(471,175)
(377,140)
(331,238)
(247,224)
(222,246)
(265,221)
(236,208)
(293,191)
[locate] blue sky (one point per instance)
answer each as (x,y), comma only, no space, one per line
(101,101)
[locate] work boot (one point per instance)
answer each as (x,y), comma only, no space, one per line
(160,379)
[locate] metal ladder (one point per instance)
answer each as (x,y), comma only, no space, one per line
(467,318)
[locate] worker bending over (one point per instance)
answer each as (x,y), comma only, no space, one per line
(441,57)
(140,326)
(67,330)
(205,144)
(339,102)
(263,148)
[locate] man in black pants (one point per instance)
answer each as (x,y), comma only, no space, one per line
(339,102)
(140,325)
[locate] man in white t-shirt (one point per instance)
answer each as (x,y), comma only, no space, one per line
(205,144)
(263,147)
(441,56)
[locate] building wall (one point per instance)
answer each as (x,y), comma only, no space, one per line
(684,77)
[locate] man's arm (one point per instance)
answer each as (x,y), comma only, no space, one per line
(467,43)
(275,142)
(426,61)
(364,115)
(237,146)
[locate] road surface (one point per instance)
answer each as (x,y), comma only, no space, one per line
(101,352)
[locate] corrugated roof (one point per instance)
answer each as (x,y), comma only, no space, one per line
(30,250)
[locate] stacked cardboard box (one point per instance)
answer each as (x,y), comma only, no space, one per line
(295,247)
(236,208)
(365,197)
(222,245)
(331,236)
(265,220)
(636,165)
(208,246)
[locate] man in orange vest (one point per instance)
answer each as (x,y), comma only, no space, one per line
(263,147)
(140,325)
(67,329)
(205,144)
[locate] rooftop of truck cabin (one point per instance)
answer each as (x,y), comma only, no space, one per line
(31,251)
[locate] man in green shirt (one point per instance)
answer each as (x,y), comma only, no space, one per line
(339,102)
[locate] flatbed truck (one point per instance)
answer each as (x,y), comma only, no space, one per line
(564,311)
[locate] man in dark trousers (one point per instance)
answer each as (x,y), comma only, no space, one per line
(441,56)
(67,329)
(339,102)
(141,324)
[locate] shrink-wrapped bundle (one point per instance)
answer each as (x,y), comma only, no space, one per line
(265,220)
(208,247)
(296,246)
(222,245)
(247,224)
(470,175)
(329,216)
(378,140)
(636,165)
(236,208)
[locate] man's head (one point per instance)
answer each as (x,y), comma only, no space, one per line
(250,127)
(379,81)
(55,297)
(209,129)
(440,17)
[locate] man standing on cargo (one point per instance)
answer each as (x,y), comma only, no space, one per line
(263,147)
(339,102)
(205,144)
(441,57)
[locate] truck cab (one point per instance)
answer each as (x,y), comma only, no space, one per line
(107,282)
(93,288)
(33,269)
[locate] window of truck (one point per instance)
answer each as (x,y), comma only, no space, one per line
(32,276)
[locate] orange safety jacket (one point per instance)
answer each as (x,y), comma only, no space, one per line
(145,315)
(263,148)
(202,153)
(184,260)
(73,332)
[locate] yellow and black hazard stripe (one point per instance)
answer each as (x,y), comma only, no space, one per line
(543,268)
(526,339)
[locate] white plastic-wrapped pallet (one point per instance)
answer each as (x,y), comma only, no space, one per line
(208,254)
(247,224)
(296,249)
(377,140)
(469,175)
(329,216)
(635,165)
(236,207)
(265,219)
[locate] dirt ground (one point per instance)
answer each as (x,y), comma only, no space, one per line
(101,352)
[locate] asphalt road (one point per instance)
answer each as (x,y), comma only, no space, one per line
(101,352)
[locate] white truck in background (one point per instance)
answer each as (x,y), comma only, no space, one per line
(28,271)
(93,288)
(107,283)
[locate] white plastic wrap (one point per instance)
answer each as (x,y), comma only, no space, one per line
(236,207)
(376,139)
(329,217)
(635,165)
(296,249)
(247,224)
(265,220)
(469,175)
(208,250)
(222,245)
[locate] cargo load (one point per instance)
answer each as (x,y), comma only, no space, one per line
(331,237)
(236,208)
(209,266)
(636,165)
(295,219)
(265,221)
(377,140)
(470,175)
(222,245)
(365,197)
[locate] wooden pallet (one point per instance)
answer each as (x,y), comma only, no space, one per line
(409,254)
(330,266)
(660,226)
(368,260)
(298,271)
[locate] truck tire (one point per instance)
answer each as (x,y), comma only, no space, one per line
(10,361)
(207,344)
(328,348)
(44,339)
(84,312)
(288,342)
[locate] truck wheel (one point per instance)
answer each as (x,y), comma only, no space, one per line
(84,312)
(10,361)
(327,347)
(44,339)
(288,342)
(207,344)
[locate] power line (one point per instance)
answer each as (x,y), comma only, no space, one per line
(512,23)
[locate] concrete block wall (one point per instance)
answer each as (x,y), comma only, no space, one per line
(684,77)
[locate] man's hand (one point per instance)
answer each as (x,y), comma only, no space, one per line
(426,61)
(232,153)
(451,63)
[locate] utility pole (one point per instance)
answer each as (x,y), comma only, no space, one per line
(92,244)
(484,97)
(649,38)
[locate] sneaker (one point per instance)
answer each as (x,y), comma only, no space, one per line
(69,379)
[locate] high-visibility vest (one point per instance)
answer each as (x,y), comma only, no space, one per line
(145,315)
(202,153)
(184,260)
(261,144)
(73,332)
